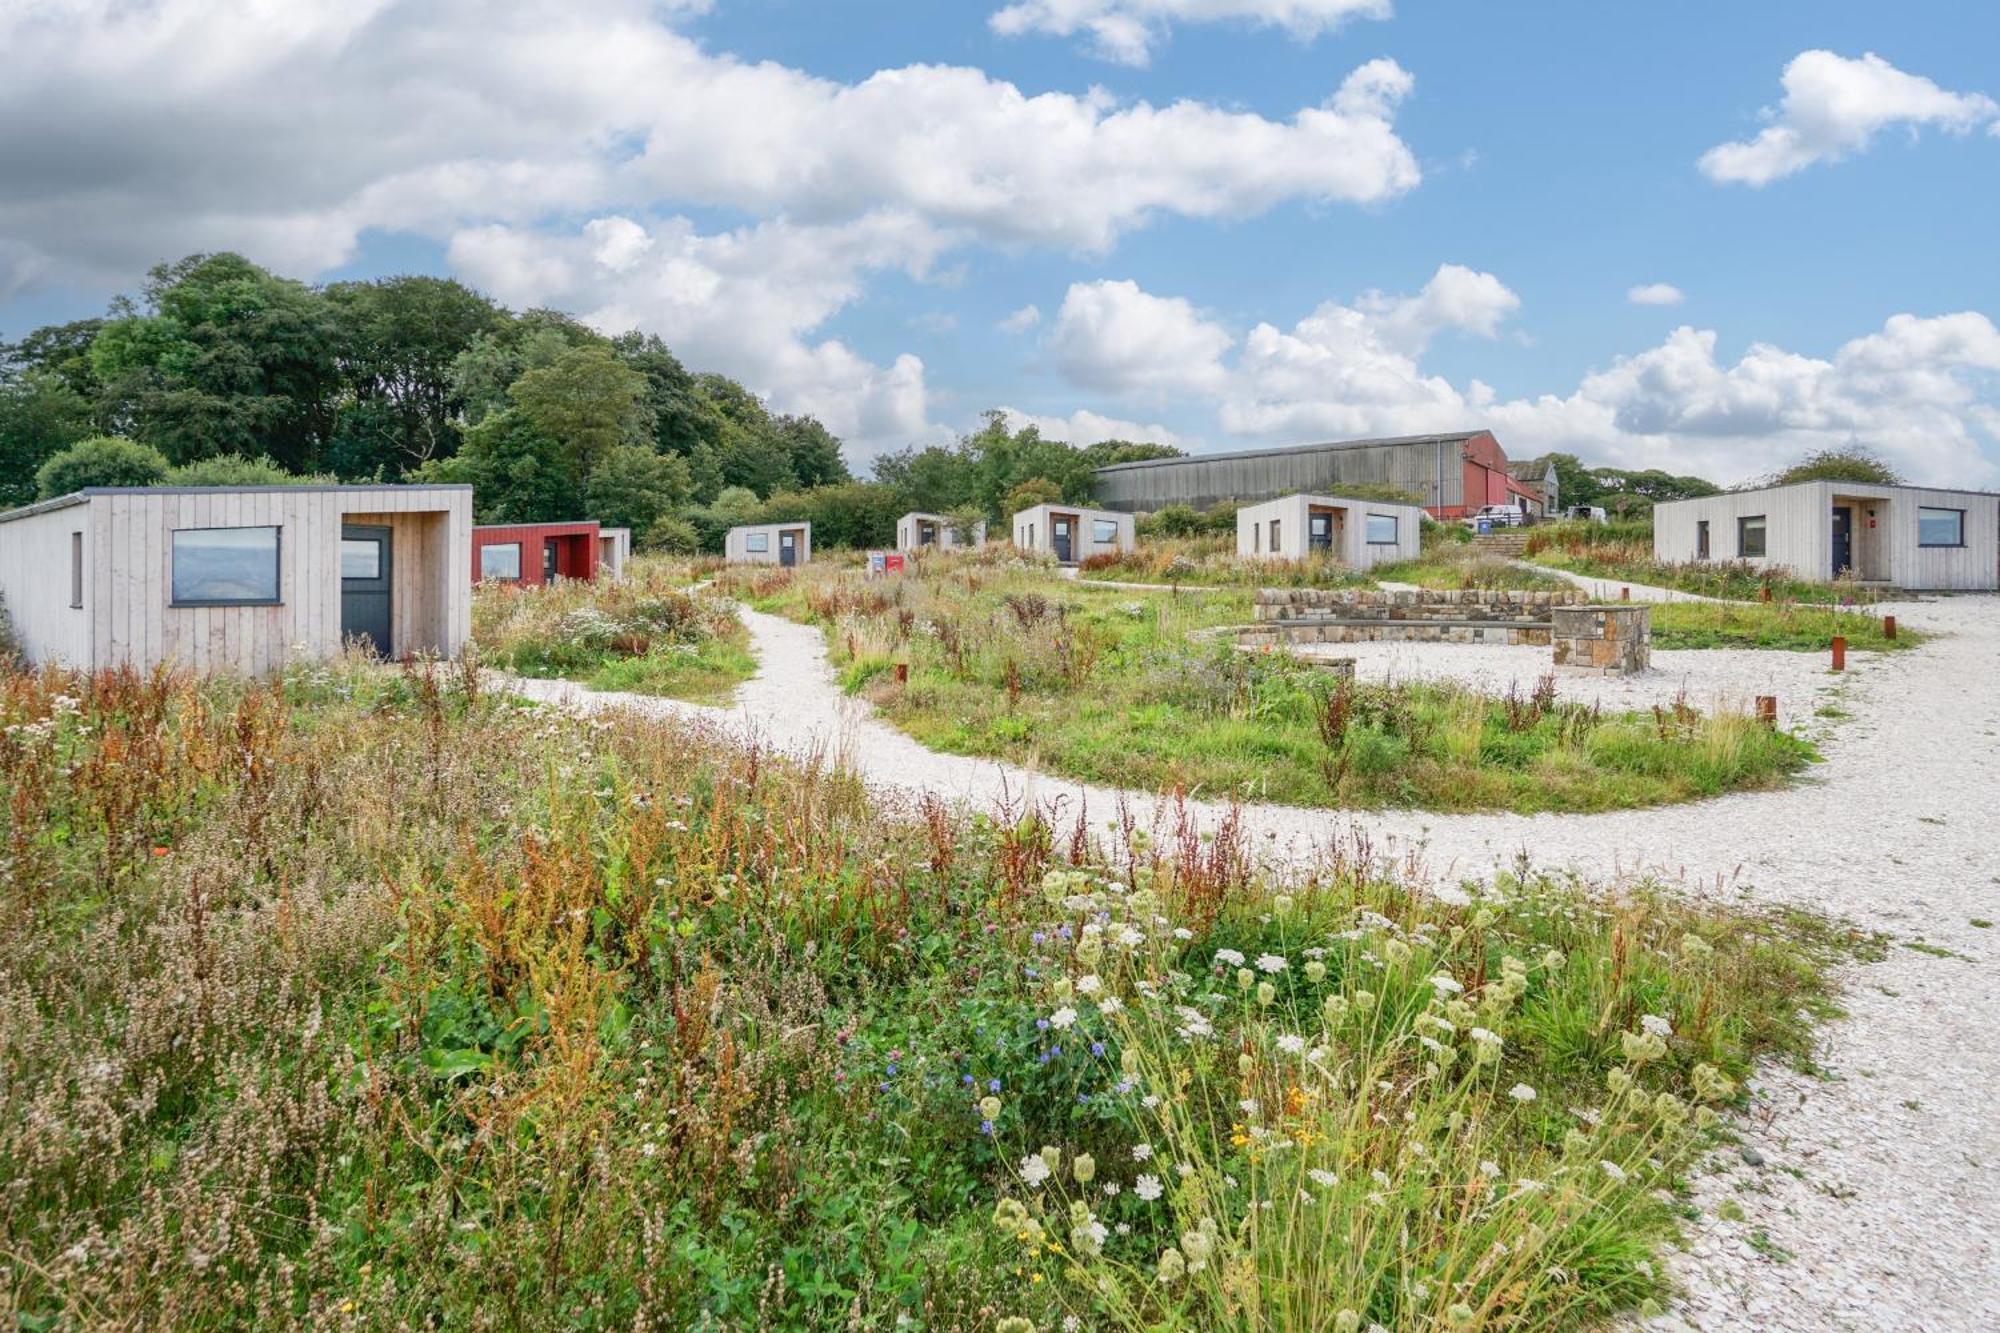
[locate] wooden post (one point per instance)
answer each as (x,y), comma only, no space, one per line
(1840,652)
(902,673)
(1767,709)
(1624,594)
(1764,593)
(1888,627)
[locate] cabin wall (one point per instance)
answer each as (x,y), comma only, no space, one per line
(35,570)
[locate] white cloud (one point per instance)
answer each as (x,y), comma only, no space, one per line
(1833,107)
(1021,320)
(1087,427)
(1655,293)
(138,130)
(1126,31)
(1924,392)
(743,302)
(1116,337)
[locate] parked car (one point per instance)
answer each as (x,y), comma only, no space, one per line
(1496,516)
(1587,513)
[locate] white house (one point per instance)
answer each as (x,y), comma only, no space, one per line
(1357,533)
(769,544)
(1897,536)
(238,579)
(916,532)
(1073,533)
(614,548)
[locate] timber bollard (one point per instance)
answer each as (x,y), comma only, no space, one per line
(1767,709)
(902,673)
(1888,627)
(1624,594)
(1764,593)
(1840,652)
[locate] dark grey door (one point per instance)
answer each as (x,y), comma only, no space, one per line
(788,548)
(1059,535)
(1701,539)
(1843,538)
(1319,536)
(364,586)
(549,559)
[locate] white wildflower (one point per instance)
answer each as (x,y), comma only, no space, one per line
(1148,1187)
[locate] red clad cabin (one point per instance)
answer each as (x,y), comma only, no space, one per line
(534,552)
(1486,479)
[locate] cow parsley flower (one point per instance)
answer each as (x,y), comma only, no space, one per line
(1521,1092)
(1033,1169)
(1062,1018)
(1271,963)
(1229,956)
(1148,1187)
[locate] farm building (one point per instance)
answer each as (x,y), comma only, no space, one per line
(769,544)
(237,578)
(535,552)
(1897,536)
(916,531)
(614,548)
(1449,475)
(1358,533)
(1072,533)
(1539,476)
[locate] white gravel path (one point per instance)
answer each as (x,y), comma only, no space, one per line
(1881,1181)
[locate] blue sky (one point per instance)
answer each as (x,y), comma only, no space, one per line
(841,203)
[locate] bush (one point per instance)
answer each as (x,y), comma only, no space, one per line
(10,643)
(672,535)
(235,470)
(105,460)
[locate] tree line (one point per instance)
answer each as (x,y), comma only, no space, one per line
(220,372)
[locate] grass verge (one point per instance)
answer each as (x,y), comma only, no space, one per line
(1771,625)
(1121,687)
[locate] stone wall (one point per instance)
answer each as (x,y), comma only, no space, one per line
(1603,640)
(1459,605)
(1534,633)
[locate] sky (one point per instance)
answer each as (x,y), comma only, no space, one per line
(1707,236)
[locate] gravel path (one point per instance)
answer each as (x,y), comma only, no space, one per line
(1880,1182)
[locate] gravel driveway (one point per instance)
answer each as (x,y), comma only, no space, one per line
(1875,1200)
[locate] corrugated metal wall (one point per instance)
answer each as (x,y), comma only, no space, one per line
(1428,469)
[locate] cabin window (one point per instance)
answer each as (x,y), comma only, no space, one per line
(1104,531)
(757,543)
(1256,539)
(1750,535)
(225,566)
(1701,539)
(1940,527)
(502,560)
(362,559)
(76,570)
(1382,529)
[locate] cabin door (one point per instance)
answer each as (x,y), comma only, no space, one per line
(1319,533)
(364,587)
(1061,532)
(1843,539)
(788,548)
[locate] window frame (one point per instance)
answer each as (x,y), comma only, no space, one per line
(1701,540)
(374,544)
(1395,522)
(1763,536)
(756,543)
(1097,527)
(515,577)
(1940,546)
(277,531)
(76,570)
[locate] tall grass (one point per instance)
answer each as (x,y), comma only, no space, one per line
(1625,551)
(1211,561)
(654,632)
(368,998)
(1787,626)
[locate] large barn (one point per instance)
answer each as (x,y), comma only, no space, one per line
(1450,475)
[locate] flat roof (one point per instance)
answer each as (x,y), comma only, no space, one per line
(1826,481)
(78,497)
(548,523)
(1280,450)
(1310,496)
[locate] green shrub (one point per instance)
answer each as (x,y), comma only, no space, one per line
(104,460)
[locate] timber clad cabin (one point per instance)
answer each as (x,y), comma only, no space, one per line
(239,579)
(1450,475)
(535,553)
(1073,533)
(614,548)
(1360,534)
(1891,536)
(785,544)
(918,532)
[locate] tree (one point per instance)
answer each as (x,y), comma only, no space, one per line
(1032,492)
(396,341)
(964,522)
(631,487)
(1849,463)
(1575,483)
(517,473)
(586,400)
(40,416)
(61,350)
(848,514)
(229,359)
(103,460)
(814,451)
(1106,452)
